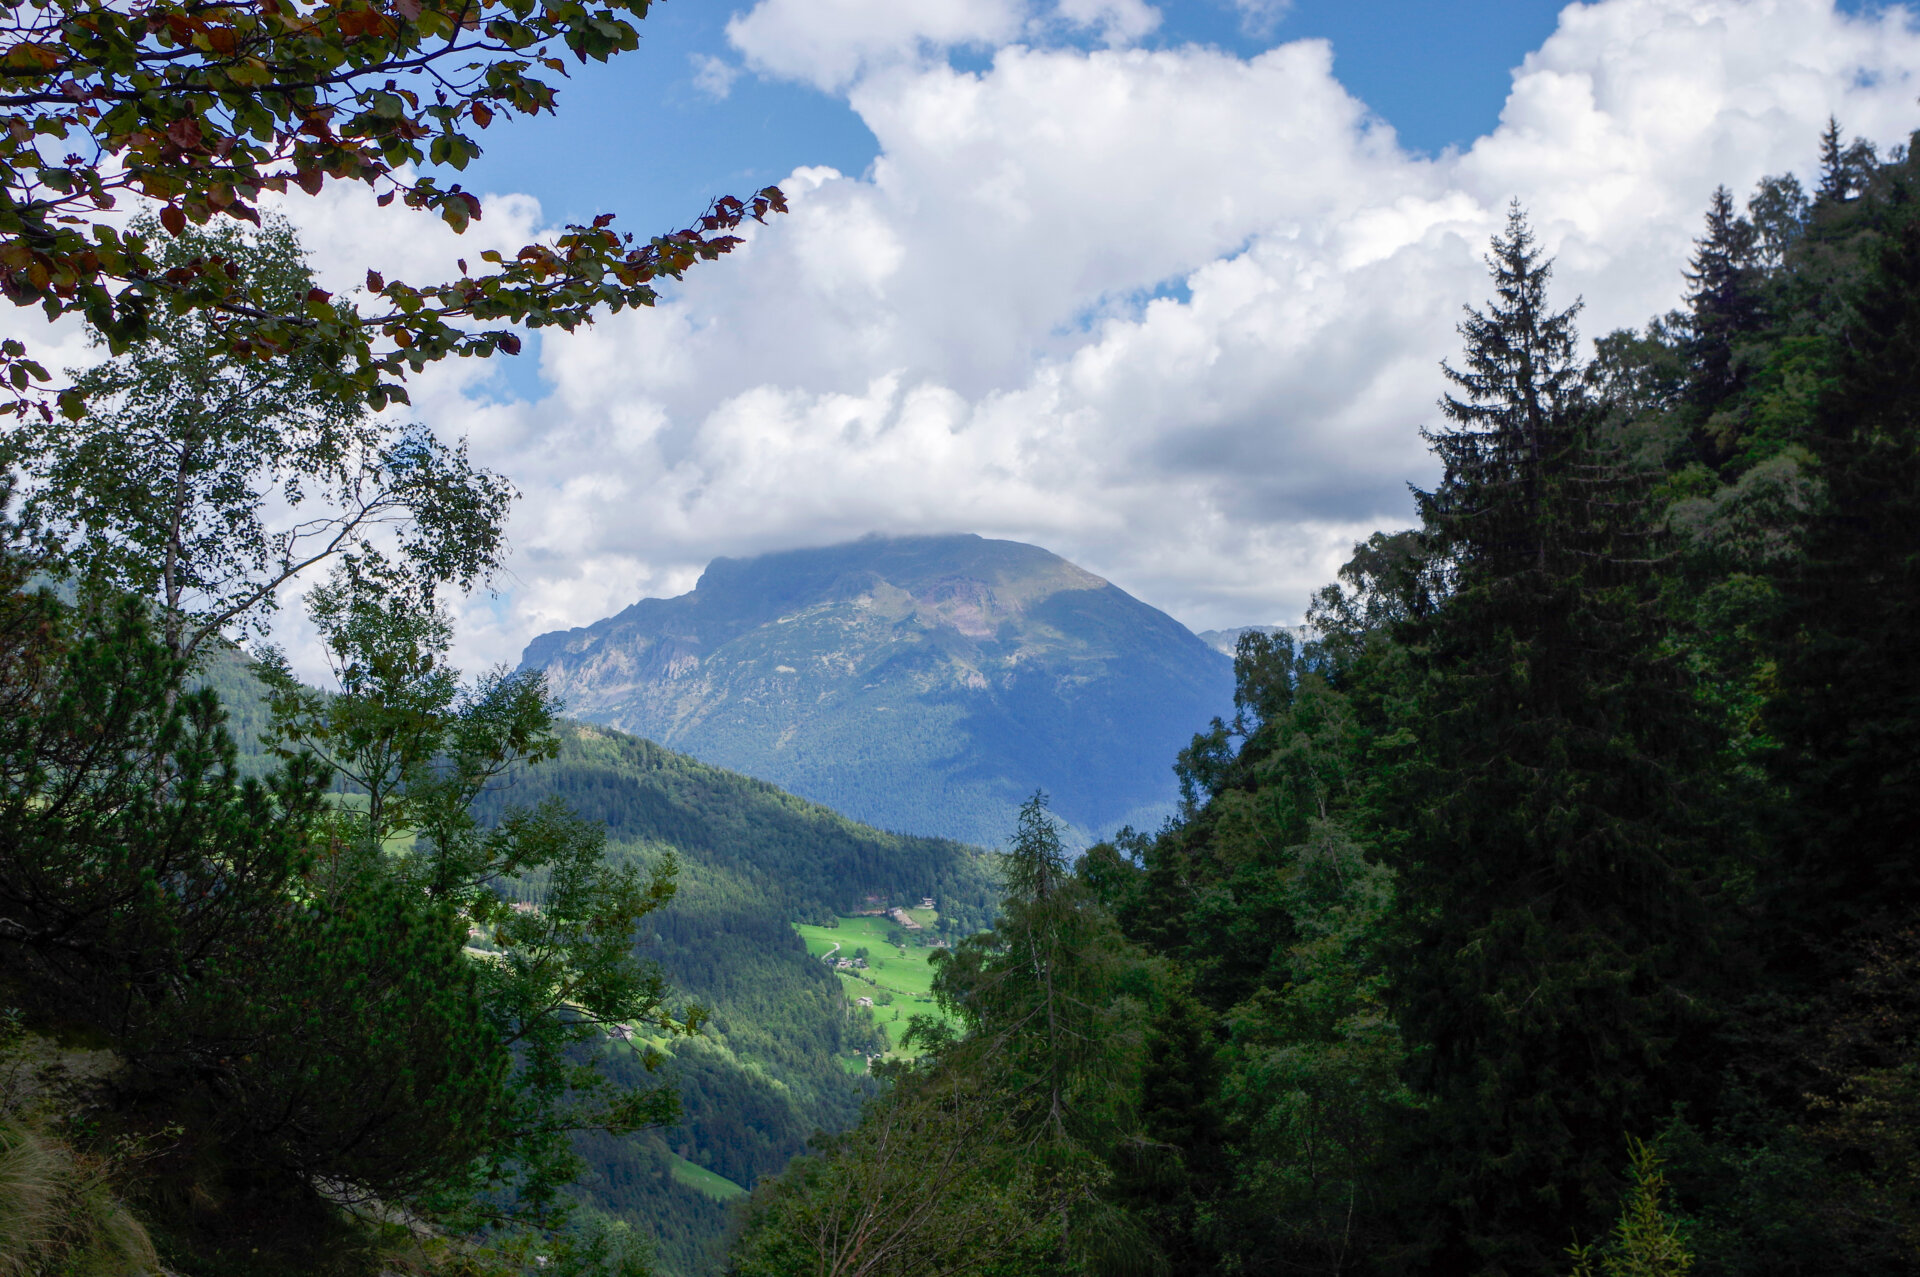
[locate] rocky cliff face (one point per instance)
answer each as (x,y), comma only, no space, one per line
(918,683)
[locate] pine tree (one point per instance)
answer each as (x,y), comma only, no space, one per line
(1173,1169)
(274,986)
(1833,173)
(1546,922)
(1033,989)
(1521,386)
(1722,299)
(1845,169)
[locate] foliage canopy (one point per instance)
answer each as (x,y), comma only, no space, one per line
(201,109)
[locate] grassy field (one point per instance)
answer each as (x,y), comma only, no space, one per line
(702,1180)
(908,978)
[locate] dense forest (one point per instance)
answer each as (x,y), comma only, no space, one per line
(1556,908)
(799,859)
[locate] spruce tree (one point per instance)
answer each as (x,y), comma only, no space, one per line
(1032,991)
(1722,299)
(1845,169)
(1172,1172)
(1833,169)
(1547,931)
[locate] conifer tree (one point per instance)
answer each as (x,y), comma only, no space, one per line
(1546,927)
(1833,174)
(322,1025)
(1172,1171)
(1032,990)
(1721,298)
(1845,168)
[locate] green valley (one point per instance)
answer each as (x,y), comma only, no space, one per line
(783,1054)
(701,1180)
(1541,900)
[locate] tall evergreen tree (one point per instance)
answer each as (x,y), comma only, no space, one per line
(1547,927)
(1833,174)
(1721,297)
(1845,167)
(1172,1170)
(1033,991)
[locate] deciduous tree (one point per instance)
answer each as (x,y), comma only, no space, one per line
(207,481)
(201,109)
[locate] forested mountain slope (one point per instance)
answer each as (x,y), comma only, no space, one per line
(768,1071)
(924,683)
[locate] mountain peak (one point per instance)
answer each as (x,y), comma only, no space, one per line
(915,682)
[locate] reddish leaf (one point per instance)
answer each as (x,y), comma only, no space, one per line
(184,134)
(376,282)
(173,219)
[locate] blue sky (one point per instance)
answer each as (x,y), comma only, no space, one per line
(638,137)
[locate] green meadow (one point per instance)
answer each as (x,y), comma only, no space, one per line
(702,1180)
(905,975)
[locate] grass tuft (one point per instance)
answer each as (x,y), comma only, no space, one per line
(58,1215)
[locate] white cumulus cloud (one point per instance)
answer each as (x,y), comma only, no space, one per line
(827,43)
(1116,21)
(1173,313)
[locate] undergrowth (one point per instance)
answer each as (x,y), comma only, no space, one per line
(59,1215)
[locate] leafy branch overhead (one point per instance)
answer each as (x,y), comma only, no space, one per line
(203,108)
